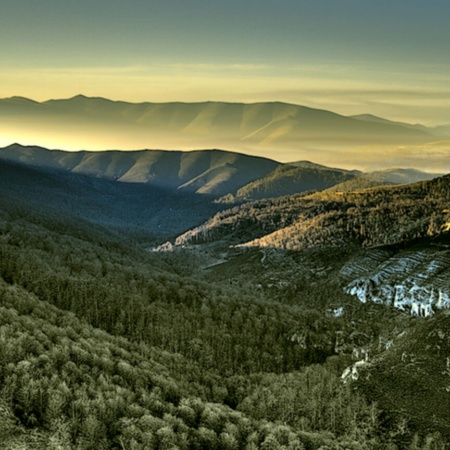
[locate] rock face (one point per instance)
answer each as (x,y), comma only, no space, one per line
(411,280)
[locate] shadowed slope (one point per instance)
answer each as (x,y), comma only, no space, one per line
(214,172)
(132,208)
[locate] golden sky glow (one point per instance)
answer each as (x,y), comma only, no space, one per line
(338,88)
(386,58)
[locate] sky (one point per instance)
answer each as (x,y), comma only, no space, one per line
(388,58)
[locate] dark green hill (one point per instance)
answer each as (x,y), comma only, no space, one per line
(411,380)
(136,209)
(291,179)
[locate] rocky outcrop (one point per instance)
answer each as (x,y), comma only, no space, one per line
(410,280)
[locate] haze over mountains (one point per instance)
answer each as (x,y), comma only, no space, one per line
(232,176)
(276,130)
(252,252)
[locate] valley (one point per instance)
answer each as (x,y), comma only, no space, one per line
(210,299)
(224,225)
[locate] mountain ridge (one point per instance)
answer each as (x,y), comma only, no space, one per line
(231,177)
(265,128)
(212,172)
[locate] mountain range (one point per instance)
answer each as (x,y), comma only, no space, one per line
(155,195)
(289,309)
(273,129)
(232,176)
(212,172)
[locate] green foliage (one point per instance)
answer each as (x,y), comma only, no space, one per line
(333,219)
(128,292)
(410,381)
(104,345)
(290,179)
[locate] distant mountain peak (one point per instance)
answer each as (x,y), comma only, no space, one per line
(82,97)
(20,99)
(274,129)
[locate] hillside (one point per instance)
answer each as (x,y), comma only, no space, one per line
(68,385)
(370,217)
(383,178)
(107,345)
(132,209)
(411,378)
(289,179)
(413,278)
(234,177)
(212,172)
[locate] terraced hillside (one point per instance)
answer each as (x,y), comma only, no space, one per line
(415,279)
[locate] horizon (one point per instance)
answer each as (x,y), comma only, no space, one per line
(350,58)
(262,101)
(229,102)
(355,56)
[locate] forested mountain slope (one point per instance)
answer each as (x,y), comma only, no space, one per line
(367,217)
(179,361)
(288,179)
(187,364)
(234,177)
(133,209)
(106,345)
(404,229)
(213,172)
(67,385)
(411,379)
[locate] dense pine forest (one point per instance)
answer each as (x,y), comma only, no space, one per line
(105,344)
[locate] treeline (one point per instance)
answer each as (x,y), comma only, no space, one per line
(332,219)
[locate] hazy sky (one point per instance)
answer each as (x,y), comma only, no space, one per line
(390,58)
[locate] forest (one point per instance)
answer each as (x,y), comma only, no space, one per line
(330,218)
(107,345)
